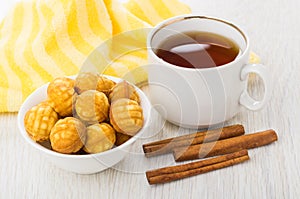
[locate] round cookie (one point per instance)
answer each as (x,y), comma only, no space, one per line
(60,95)
(39,121)
(92,107)
(126,116)
(68,135)
(100,137)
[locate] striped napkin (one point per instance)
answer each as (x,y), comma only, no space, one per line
(44,39)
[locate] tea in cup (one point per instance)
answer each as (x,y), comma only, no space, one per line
(198,71)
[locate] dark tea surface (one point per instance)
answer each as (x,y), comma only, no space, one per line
(198,50)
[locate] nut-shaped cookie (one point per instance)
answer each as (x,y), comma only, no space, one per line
(60,95)
(86,81)
(123,90)
(68,135)
(39,121)
(105,85)
(126,116)
(121,138)
(92,106)
(100,137)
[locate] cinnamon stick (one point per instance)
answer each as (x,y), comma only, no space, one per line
(225,146)
(167,145)
(173,173)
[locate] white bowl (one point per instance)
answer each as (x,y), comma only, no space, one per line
(82,164)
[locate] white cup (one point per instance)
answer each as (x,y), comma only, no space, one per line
(197,98)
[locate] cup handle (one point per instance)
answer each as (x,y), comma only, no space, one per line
(245,99)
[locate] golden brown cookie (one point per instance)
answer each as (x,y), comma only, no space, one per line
(123,90)
(68,135)
(60,95)
(92,107)
(86,81)
(100,137)
(121,138)
(126,116)
(105,85)
(39,121)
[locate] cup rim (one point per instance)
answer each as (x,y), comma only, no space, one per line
(178,18)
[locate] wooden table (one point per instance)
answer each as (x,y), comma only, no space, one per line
(273,171)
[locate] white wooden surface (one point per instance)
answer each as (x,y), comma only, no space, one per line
(272,172)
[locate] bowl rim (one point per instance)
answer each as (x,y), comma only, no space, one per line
(22,112)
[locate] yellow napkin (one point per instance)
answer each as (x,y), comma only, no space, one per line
(44,39)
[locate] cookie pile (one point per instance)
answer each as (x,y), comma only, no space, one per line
(91,113)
